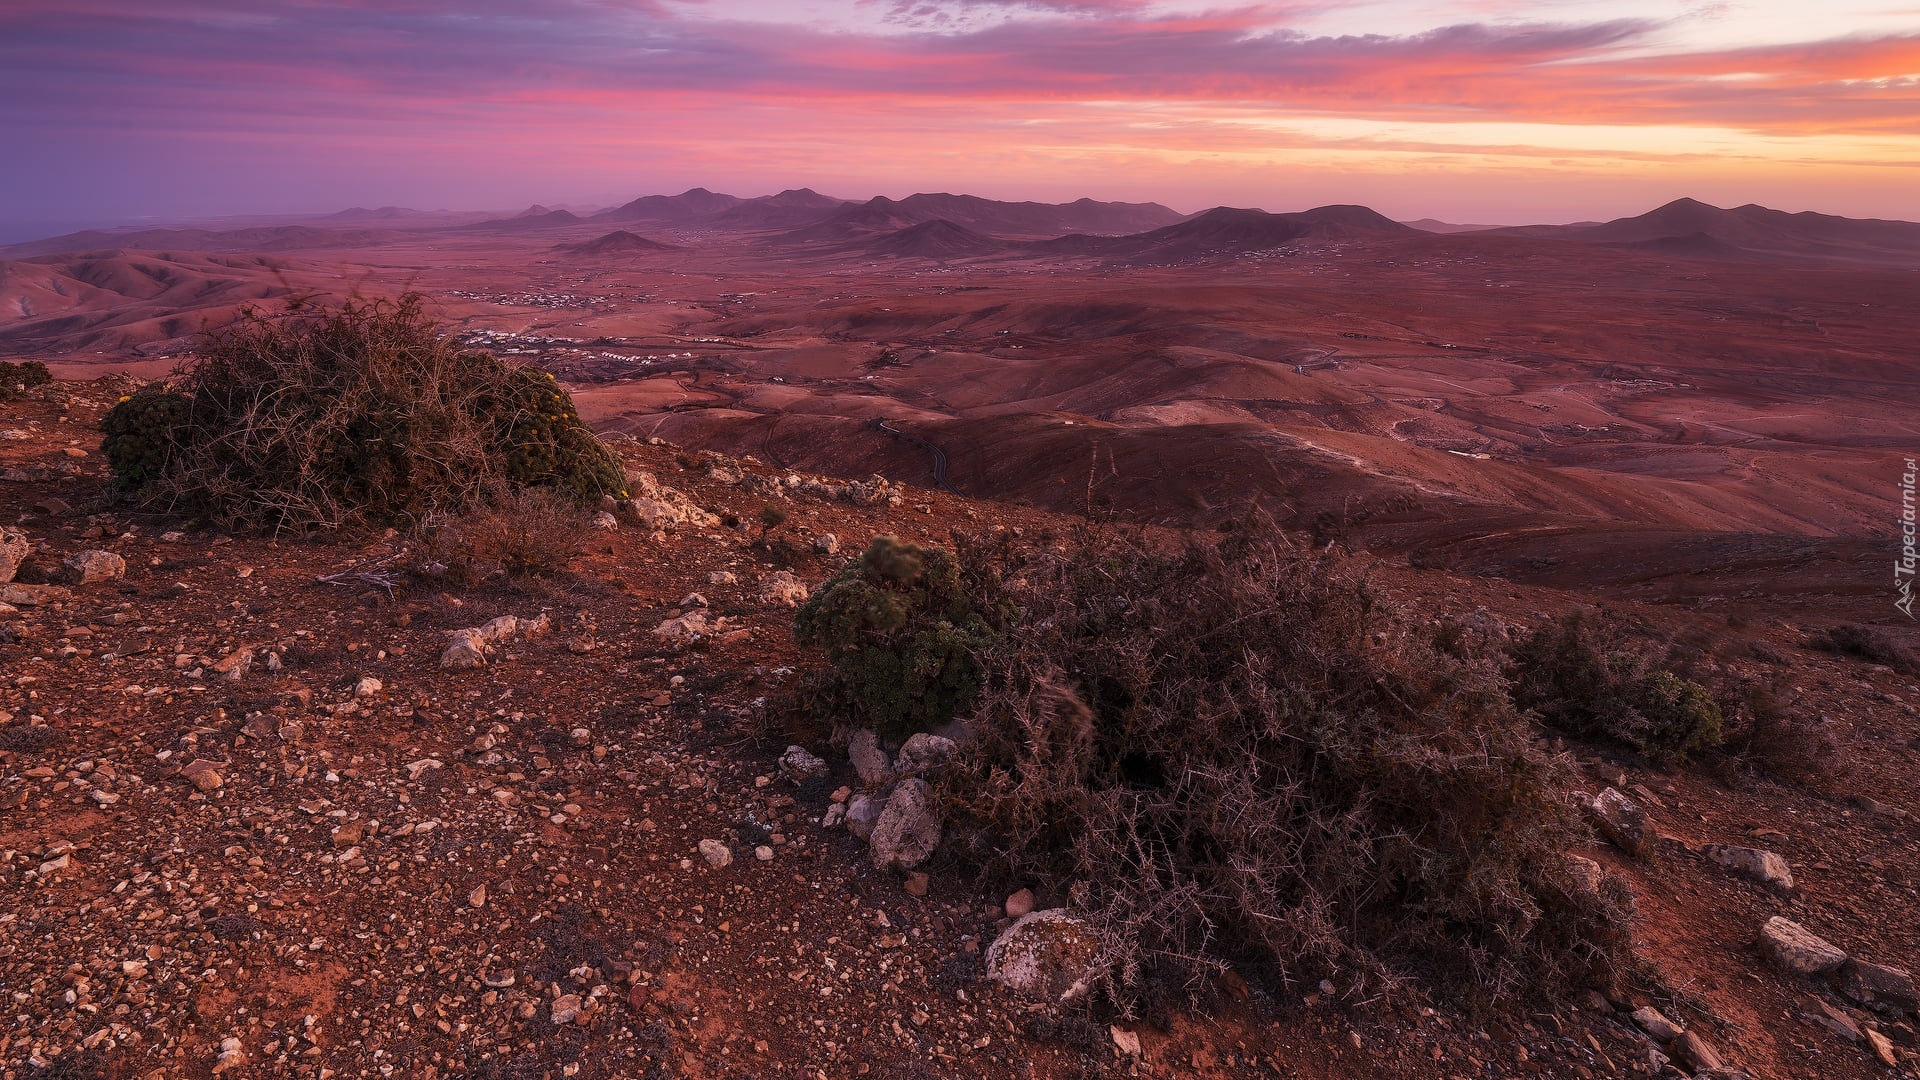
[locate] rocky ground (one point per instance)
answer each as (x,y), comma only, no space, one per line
(280,807)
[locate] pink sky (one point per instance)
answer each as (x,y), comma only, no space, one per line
(1469,110)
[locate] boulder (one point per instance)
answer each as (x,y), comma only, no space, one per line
(784,588)
(1753,864)
(14,549)
(863,813)
(924,753)
(869,761)
(1795,950)
(1589,875)
(802,767)
(1696,1053)
(1046,955)
(1621,821)
(718,855)
(1655,1024)
(465,652)
(1889,989)
(87,567)
(686,629)
(909,827)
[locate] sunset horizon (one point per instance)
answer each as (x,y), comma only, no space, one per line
(1465,112)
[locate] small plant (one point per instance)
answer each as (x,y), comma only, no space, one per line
(522,531)
(362,415)
(771,518)
(900,627)
(1586,678)
(1235,753)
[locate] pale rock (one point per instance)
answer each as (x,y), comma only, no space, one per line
(87,567)
(1127,1042)
(231,1056)
(1882,1047)
(1695,1052)
(606,521)
(1589,875)
(55,864)
(1655,1023)
(1880,987)
(802,767)
(763,853)
(1753,864)
(350,834)
(1795,950)
(722,577)
(465,652)
(368,687)
(566,1009)
(416,768)
(924,753)
(909,827)
(826,543)
(784,588)
(869,761)
(1621,821)
(717,854)
(863,813)
(104,798)
(203,774)
(835,815)
(693,600)
(685,630)
(478,897)
(14,549)
(1045,955)
(1019,904)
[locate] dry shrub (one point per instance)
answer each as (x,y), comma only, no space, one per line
(1863,643)
(18,378)
(1765,734)
(518,530)
(1587,676)
(363,414)
(1213,754)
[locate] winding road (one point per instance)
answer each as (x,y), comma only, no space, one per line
(939,456)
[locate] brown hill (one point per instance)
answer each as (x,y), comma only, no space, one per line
(689,204)
(1227,231)
(937,239)
(614,243)
(118,301)
(1749,230)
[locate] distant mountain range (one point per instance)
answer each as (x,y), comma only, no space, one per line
(947,226)
(1022,219)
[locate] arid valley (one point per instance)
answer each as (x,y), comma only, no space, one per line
(585,854)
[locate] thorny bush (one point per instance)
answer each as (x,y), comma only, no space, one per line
(365,414)
(1234,753)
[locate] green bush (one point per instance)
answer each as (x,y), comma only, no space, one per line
(1587,678)
(899,628)
(1235,753)
(141,433)
(362,415)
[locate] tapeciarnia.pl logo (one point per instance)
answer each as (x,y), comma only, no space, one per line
(1903,567)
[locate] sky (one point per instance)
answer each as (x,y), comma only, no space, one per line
(1481,111)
